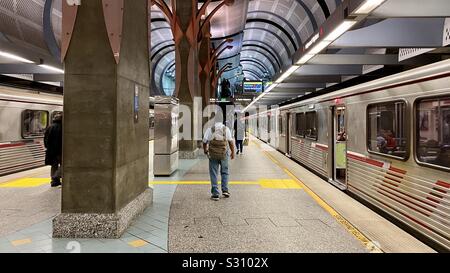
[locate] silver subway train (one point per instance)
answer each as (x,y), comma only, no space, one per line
(24,116)
(386,142)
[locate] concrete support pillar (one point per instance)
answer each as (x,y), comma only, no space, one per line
(106,136)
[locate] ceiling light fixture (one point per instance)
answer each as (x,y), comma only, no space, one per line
(14,57)
(330,38)
(305,58)
(51,68)
(286,74)
(368,6)
(341,29)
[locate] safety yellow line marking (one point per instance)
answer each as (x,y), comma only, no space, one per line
(263,183)
(26,183)
(138,243)
(339,218)
(21,242)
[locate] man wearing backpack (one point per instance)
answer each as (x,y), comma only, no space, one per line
(218,144)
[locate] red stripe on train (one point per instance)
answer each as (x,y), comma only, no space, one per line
(443,184)
(11,145)
(322,147)
(366,160)
(397,170)
(404,214)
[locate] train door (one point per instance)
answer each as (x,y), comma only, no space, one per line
(288,133)
(339,147)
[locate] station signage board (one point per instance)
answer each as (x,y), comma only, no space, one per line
(255,87)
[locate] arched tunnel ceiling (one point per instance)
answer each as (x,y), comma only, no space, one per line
(264,31)
(268,37)
(281,27)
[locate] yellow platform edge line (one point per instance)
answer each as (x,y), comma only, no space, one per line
(25,183)
(200,183)
(339,218)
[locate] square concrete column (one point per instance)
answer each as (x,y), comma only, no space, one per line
(106,124)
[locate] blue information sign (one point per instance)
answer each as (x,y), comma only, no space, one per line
(253,87)
(136,103)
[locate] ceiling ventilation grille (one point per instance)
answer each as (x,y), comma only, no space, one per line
(407,53)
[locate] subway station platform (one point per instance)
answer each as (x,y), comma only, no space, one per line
(275,206)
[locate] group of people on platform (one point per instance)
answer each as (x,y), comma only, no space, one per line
(219,144)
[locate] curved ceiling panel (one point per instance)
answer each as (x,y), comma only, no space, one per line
(229,20)
(22,22)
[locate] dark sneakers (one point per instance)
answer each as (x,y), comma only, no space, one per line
(226,194)
(215,198)
(55,184)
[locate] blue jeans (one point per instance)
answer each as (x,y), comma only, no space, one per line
(214,173)
(240,146)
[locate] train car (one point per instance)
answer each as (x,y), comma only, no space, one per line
(24,116)
(386,142)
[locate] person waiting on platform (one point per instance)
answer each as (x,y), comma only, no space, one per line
(239,134)
(218,145)
(53,154)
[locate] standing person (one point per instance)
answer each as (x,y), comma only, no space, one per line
(218,145)
(53,154)
(446,133)
(239,134)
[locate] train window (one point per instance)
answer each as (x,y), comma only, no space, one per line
(433,131)
(34,123)
(387,130)
(311,125)
(280,125)
(300,124)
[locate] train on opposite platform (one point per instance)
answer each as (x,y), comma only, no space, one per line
(24,117)
(386,142)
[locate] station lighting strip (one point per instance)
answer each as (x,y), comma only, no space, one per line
(366,8)
(14,57)
(51,68)
(23,60)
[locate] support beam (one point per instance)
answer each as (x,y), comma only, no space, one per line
(397,32)
(362,59)
(313,79)
(24,69)
(306,70)
(48,77)
(412,8)
(287,86)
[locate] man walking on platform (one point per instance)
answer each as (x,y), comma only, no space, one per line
(218,145)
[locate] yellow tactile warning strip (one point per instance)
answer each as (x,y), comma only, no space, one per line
(339,218)
(138,243)
(21,242)
(26,183)
(263,183)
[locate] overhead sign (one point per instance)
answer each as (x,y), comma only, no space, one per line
(253,87)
